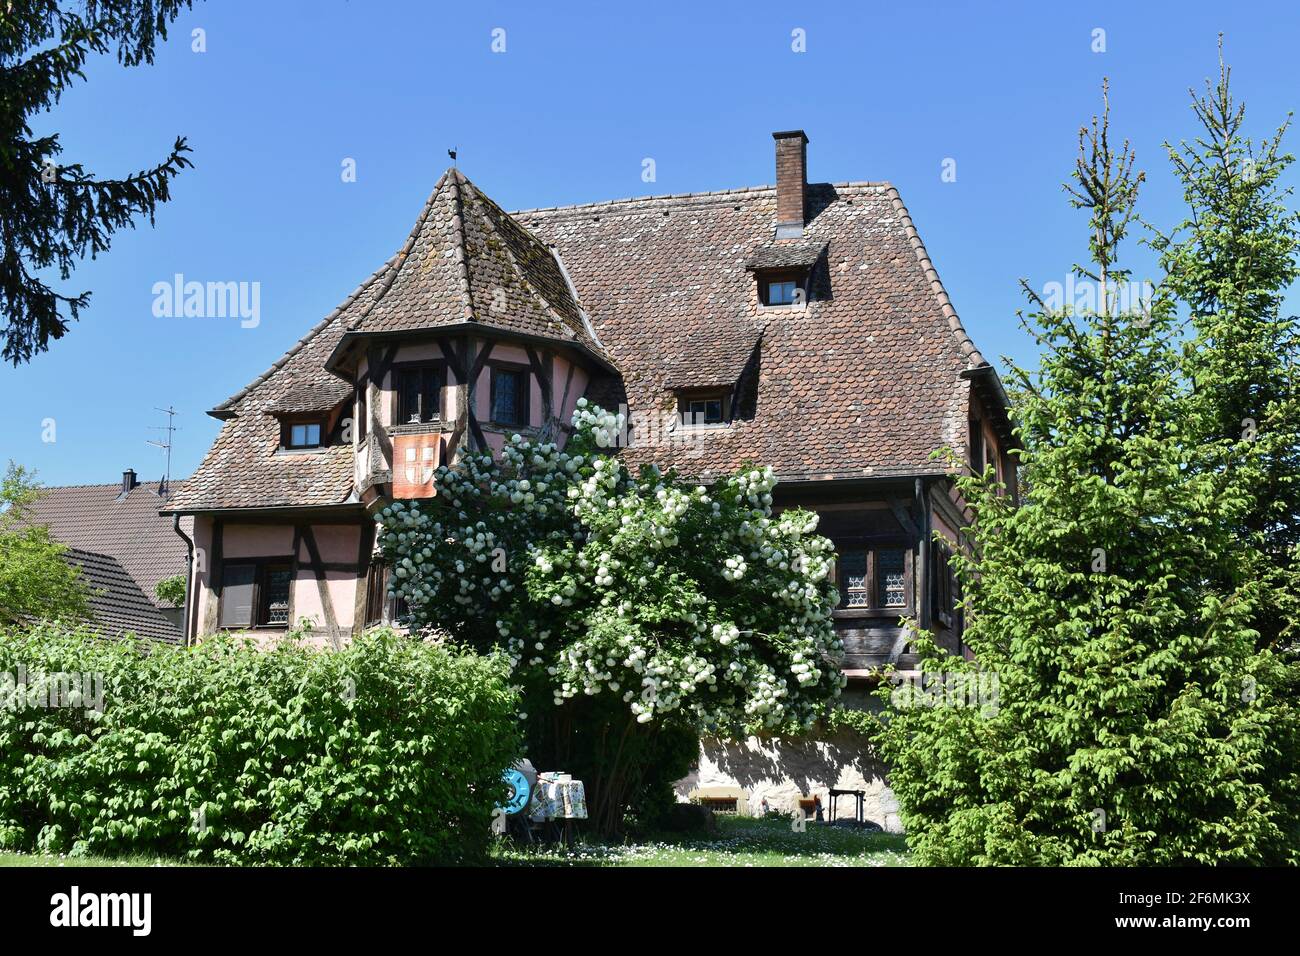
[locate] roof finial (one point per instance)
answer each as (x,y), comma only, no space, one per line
(452,153)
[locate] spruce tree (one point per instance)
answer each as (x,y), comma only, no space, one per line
(1133,721)
(53,214)
(1229,263)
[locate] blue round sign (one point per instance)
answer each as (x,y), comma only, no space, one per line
(517,791)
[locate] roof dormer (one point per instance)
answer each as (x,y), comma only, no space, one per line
(783,271)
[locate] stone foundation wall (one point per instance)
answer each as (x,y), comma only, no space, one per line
(784,770)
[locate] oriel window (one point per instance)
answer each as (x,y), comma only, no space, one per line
(419,394)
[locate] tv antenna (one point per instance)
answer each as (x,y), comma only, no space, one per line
(165,445)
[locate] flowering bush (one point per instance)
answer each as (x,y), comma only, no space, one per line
(669,596)
(672,601)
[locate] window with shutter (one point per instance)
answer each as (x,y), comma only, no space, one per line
(976,442)
(237,584)
(273,609)
(944,582)
(256,593)
(376,592)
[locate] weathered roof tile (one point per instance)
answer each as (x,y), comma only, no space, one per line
(864,379)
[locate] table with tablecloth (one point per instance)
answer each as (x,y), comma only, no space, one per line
(557,799)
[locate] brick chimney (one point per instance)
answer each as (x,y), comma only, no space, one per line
(128,481)
(791,182)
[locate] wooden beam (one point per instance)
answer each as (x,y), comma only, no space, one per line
(322,586)
(479,361)
(453,441)
(211,617)
(903,518)
(365,547)
(471,389)
(378,367)
(454,352)
(568,383)
(900,645)
(543,380)
(922,575)
(297,562)
(347,566)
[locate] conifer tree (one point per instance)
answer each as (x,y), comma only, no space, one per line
(1134,721)
(1229,264)
(53,214)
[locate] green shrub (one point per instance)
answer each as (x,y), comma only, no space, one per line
(387,752)
(171,590)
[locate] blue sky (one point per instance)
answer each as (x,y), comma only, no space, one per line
(287,91)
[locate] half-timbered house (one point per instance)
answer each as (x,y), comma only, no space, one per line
(800,325)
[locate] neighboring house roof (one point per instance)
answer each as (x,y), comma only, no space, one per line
(117,605)
(866,380)
(100,519)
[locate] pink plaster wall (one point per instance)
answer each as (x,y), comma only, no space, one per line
(256,541)
(536,411)
(337,544)
(342,588)
(565,405)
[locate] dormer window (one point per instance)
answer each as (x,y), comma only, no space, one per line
(419,394)
(780,292)
(704,408)
(783,271)
(785,289)
(302,434)
(704,411)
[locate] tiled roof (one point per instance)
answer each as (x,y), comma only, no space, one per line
(464,261)
(243,468)
(864,380)
(310,397)
(117,605)
(468,261)
(98,518)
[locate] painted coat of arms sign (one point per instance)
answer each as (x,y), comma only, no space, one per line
(415,459)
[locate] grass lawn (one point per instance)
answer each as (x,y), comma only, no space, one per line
(740,841)
(35,859)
